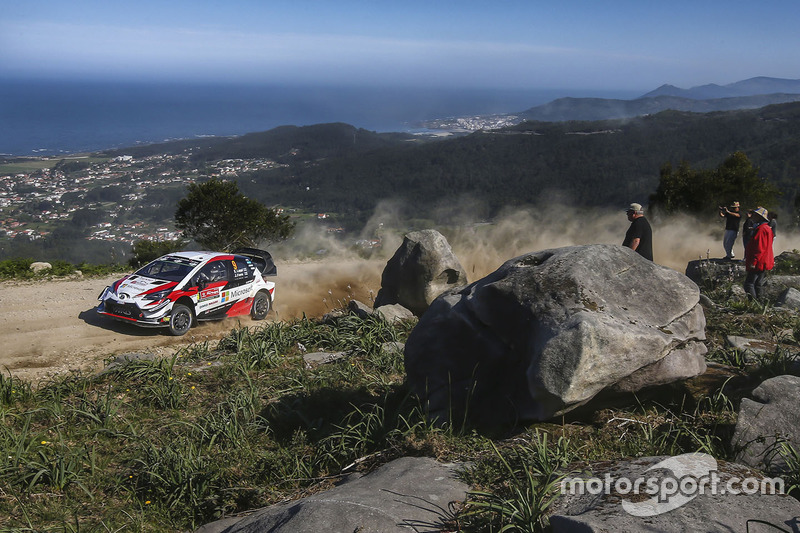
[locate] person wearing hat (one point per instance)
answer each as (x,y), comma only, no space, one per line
(758,257)
(639,236)
(732,219)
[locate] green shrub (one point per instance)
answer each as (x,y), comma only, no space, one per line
(16,268)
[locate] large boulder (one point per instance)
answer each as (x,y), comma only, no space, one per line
(549,330)
(40,266)
(408,494)
(769,418)
(422,268)
(789,299)
(711,272)
(694,495)
(777,284)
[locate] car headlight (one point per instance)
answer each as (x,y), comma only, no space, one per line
(156,296)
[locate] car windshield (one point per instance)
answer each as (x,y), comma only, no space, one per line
(166,269)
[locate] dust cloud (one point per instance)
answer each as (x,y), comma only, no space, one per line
(319,271)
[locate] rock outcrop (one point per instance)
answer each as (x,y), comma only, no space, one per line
(770,417)
(715,509)
(422,268)
(549,330)
(789,299)
(408,494)
(714,271)
(711,273)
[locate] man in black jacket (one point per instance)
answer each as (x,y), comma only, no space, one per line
(639,236)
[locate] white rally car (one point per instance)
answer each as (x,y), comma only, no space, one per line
(180,288)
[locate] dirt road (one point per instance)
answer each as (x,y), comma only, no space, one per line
(51,327)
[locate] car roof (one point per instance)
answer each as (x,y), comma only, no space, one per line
(197,256)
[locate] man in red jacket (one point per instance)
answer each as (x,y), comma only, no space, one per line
(758,256)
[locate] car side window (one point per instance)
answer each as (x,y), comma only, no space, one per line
(213,272)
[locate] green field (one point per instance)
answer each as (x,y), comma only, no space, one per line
(27,165)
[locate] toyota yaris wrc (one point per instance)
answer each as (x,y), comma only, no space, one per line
(178,289)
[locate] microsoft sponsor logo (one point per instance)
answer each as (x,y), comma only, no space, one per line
(234,294)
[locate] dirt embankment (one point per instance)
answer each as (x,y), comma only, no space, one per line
(51,327)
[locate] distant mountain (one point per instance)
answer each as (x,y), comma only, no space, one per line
(565,109)
(752,93)
(750,87)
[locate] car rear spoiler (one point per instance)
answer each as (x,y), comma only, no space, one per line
(261,259)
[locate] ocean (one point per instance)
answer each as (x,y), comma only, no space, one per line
(63,117)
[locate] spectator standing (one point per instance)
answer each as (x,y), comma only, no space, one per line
(639,236)
(773,223)
(732,219)
(748,228)
(758,257)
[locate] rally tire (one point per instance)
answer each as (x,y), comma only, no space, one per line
(180,320)
(262,303)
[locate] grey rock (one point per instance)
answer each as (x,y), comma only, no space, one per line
(40,266)
(393,347)
(361,309)
(705,301)
(771,415)
(777,283)
(320,358)
(392,313)
(787,258)
(789,298)
(408,494)
(332,316)
(712,272)
(422,268)
(680,363)
(549,330)
(737,292)
(707,512)
(755,346)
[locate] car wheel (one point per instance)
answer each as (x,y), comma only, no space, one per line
(181,320)
(261,306)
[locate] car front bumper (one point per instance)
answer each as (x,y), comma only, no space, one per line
(129,312)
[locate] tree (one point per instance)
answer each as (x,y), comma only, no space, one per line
(146,251)
(219,217)
(702,191)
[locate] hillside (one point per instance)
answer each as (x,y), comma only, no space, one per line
(281,144)
(171,438)
(348,172)
(602,163)
(602,109)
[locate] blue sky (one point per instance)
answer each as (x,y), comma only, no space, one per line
(509,44)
